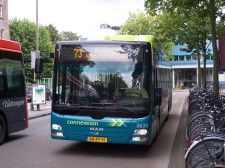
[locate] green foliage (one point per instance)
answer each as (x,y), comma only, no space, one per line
(143,24)
(200,24)
(195,11)
(54,34)
(68,35)
(24,31)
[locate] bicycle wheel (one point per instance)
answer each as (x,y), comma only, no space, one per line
(195,108)
(194,101)
(205,153)
(205,164)
(200,119)
(195,132)
(193,116)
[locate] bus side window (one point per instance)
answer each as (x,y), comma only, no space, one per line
(14,82)
(2,94)
(158,96)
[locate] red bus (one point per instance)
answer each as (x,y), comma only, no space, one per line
(13,102)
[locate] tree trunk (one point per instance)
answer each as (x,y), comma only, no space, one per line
(204,62)
(199,68)
(214,45)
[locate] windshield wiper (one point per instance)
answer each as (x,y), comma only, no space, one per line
(75,106)
(114,104)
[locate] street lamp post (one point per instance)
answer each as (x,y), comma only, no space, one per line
(37,45)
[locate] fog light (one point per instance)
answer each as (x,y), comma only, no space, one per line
(56,127)
(139,139)
(136,138)
(57,134)
(140,131)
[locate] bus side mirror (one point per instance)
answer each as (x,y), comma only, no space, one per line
(158,96)
(38,65)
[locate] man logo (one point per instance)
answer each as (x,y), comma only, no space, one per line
(96,129)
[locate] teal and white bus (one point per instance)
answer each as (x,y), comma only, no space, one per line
(117,90)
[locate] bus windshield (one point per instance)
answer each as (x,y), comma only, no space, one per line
(102,76)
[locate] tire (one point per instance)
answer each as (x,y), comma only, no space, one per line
(195,108)
(2,129)
(197,115)
(205,153)
(197,120)
(195,132)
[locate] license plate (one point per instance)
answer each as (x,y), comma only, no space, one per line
(97,139)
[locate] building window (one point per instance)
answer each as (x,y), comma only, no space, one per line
(194,57)
(211,58)
(188,58)
(208,57)
(2,33)
(175,58)
(1,13)
(181,58)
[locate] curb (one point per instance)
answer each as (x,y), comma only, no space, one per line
(38,116)
(180,142)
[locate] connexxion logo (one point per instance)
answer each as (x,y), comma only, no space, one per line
(86,123)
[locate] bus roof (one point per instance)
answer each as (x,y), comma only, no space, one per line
(146,38)
(8,45)
(99,42)
(142,38)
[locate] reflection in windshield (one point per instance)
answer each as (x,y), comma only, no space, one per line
(103,79)
(103,83)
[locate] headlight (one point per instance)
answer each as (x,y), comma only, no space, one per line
(140,131)
(56,127)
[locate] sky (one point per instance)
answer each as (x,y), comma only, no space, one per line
(77,16)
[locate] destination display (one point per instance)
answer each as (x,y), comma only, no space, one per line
(91,53)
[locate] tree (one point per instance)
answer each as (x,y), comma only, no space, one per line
(143,24)
(54,34)
(196,34)
(23,31)
(214,8)
(68,35)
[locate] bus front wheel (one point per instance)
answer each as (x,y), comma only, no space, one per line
(2,129)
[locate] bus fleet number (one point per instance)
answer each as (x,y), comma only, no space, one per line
(142,125)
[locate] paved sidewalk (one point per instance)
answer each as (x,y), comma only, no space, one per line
(45,109)
(180,141)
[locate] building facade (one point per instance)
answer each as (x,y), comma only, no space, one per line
(185,67)
(4,24)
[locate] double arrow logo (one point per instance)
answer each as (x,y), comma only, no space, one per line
(117,123)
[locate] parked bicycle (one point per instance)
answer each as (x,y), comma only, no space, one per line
(205,130)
